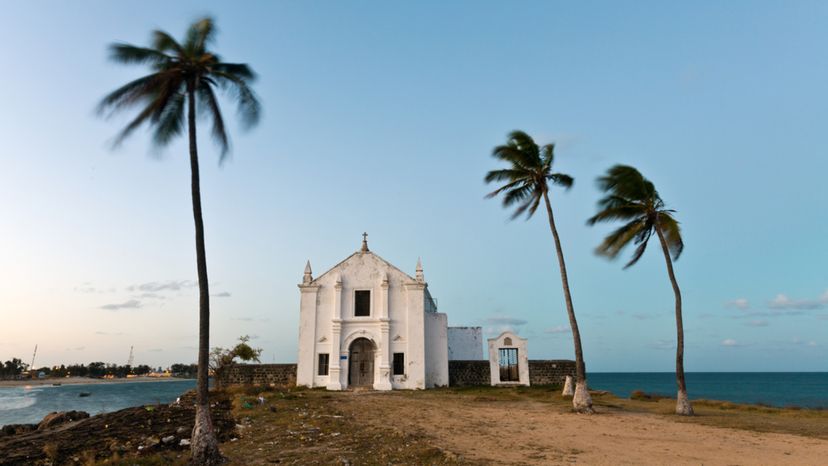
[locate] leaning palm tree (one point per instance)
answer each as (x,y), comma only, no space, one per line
(525,184)
(633,199)
(181,83)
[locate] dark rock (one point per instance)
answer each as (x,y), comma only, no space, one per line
(14,429)
(56,419)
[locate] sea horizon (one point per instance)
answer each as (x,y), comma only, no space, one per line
(28,404)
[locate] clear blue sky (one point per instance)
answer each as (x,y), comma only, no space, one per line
(381,117)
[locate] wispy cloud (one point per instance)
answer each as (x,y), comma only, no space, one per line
(251,319)
(168,285)
(738,303)
(101,332)
(731,343)
(782,301)
(88,288)
(557,330)
(503,320)
(223,294)
(662,345)
(757,323)
(130,304)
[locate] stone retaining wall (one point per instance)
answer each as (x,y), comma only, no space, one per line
(260,374)
(466,373)
(461,373)
(550,371)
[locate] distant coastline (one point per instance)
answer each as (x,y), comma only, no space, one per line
(82,381)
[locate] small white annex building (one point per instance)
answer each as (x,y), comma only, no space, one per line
(366,323)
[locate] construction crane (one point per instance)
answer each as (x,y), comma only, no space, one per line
(131,357)
(31,366)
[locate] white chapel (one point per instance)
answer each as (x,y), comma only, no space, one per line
(366,323)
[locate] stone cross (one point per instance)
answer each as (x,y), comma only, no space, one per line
(365,242)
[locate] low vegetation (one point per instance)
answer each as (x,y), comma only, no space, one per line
(262,425)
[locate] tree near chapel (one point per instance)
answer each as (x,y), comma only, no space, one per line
(525,184)
(182,84)
(633,199)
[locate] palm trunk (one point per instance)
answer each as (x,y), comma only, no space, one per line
(204,443)
(683,405)
(581,400)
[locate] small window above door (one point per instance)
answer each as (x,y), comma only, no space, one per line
(362,303)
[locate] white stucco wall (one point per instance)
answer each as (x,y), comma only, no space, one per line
(465,343)
(502,341)
(396,323)
(436,350)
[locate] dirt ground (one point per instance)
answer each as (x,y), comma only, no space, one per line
(476,426)
(505,426)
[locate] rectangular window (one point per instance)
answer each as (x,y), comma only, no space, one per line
(323,364)
(362,303)
(399,363)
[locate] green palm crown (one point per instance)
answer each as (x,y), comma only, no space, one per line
(631,198)
(181,70)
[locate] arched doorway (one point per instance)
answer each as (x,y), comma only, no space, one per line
(361,365)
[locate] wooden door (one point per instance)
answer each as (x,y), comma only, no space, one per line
(361,365)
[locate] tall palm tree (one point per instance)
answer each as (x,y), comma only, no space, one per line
(182,81)
(633,199)
(526,183)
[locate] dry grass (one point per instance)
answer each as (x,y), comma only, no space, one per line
(300,426)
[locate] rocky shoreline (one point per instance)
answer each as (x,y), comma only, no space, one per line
(66,438)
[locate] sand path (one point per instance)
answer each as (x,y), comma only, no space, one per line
(529,432)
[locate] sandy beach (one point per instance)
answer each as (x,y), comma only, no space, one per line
(80,381)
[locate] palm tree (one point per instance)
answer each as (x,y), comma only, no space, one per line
(633,199)
(183,79)
(526,183)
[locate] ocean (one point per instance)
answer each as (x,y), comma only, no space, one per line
(24,405)
(781,389)
(804,389)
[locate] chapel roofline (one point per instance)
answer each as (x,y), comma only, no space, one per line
(360,253)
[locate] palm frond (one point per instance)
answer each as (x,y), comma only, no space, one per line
(131,93)
(548,154)
(622,212)
(240,70)
(524,143)
(518,194)
(130,54)
(616,241)
(170,122)
(199,35)
(505,174)
(534,207)
(669,227)
(164,42)
(513,155)
(631,197)
(247,104)
(219,133)
(561,179)
(506,187)
(145,115)
(527,205)
(639,251)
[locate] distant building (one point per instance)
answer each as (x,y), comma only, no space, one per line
(366,323)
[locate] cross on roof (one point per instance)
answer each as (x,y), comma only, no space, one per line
(365,242)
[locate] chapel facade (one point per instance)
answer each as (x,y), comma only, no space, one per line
(366,323)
